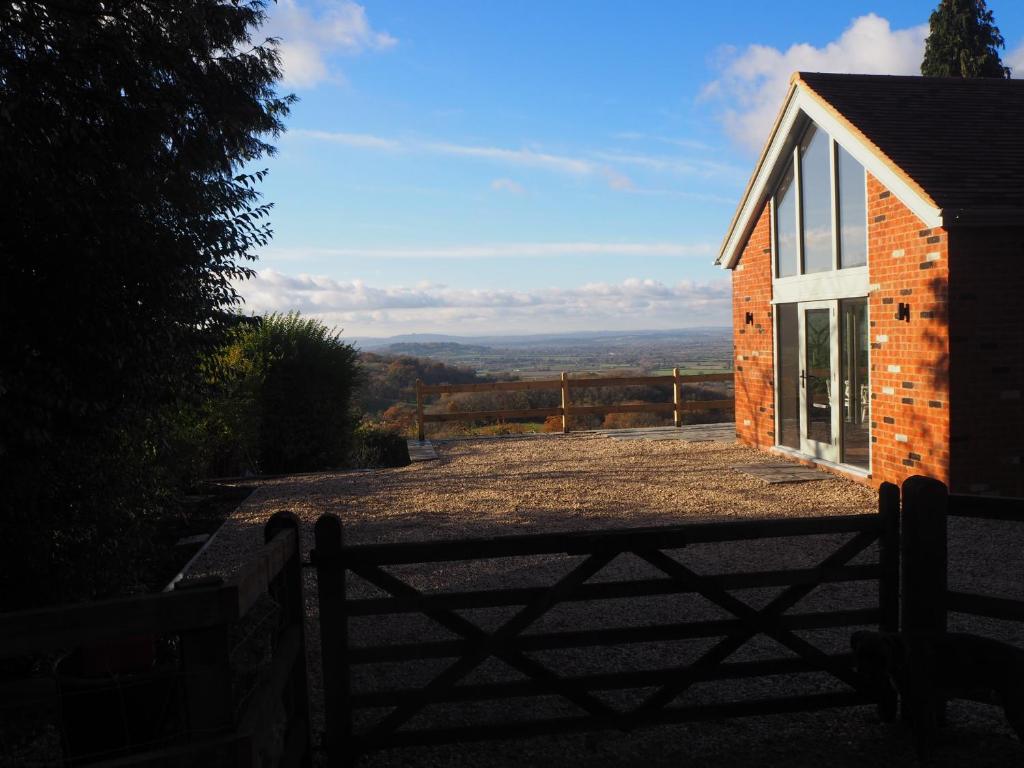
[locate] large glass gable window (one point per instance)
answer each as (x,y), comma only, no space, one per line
(820,209)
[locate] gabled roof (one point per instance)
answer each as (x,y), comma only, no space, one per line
(951,149)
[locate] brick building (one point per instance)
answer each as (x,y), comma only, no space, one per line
(877,262)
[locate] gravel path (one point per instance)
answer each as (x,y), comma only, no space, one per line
(575,482)
(520,485)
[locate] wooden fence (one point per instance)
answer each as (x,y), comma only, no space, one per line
(927,601)
(212,709)
(354,723)
(565,385)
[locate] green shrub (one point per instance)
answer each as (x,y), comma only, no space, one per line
(283,399)
(375,446)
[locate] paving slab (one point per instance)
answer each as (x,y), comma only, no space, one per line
(421,451)
(690,433)
(782,472)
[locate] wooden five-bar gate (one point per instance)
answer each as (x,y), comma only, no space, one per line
(664,550)
(565,385)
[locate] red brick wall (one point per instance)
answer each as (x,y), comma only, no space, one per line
(908,263)
(987,359)
(752,292)
(947,386)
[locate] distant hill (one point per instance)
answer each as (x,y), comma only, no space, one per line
(589,338)
(436,349)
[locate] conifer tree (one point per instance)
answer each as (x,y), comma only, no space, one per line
(963,42)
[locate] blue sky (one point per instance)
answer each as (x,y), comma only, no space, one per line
(484,167)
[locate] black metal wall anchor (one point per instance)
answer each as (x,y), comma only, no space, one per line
(749,318)
(903,312)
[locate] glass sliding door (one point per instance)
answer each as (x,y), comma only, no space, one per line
(822,392)
(788,355)
(856,441)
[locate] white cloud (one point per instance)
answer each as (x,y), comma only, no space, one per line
(369,310)
(683,166)
(312,32)
(358,140)
(500,251)
(508,185)
(753,82)
(679,142)
(1015,61)
(599,165)
(520,158)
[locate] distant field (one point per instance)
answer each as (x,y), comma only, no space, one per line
(694,352)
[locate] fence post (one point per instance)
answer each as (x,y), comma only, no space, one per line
(328,557)
(565,402)
(923,617)
(677,397)
(889,579)
(419,410)
(295,611)
(206,672)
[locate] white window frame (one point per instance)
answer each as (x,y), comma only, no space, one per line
(805,288)
(835,288)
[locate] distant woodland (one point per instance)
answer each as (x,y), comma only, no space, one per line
(388,397)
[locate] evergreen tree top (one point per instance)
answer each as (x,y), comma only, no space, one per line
(963,42)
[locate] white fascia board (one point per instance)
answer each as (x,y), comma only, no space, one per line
(801,102)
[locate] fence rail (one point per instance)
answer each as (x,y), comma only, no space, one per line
(204,718)
(565,385)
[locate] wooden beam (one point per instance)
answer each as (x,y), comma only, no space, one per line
(264,566)
(484,415)
(607,681)
(489,386)
(625,408)
(66,626)
(580,723)
(698,378)
(623,381)
(709,405)
(589,638)
(663,537)
(609,590)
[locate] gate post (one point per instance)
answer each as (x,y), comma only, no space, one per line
(889,579)
(295,611)
(328,558)
(924,598)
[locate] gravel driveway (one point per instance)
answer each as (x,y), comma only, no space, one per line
(586,481)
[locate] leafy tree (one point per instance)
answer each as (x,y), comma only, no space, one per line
(125,129)
(963,42)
